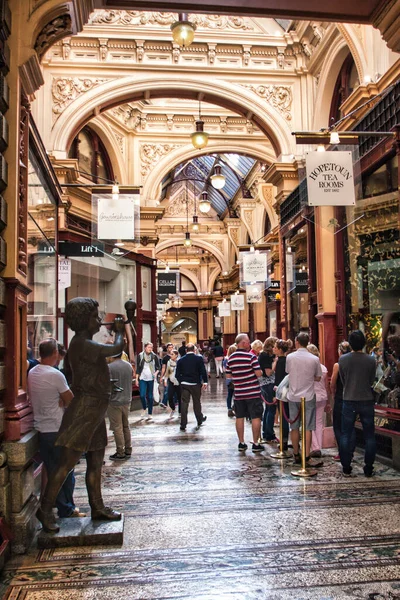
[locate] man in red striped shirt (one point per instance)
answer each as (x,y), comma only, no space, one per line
(244,370)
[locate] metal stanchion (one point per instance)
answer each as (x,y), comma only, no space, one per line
(304,471)
(282,453)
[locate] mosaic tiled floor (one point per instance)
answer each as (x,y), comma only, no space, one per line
(203,521)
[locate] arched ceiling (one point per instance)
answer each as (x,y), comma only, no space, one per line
(195,175)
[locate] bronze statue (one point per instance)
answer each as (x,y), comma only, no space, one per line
(83,427)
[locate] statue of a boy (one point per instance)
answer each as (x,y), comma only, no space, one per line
(83,427)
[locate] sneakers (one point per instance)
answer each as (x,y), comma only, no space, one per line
(182,428)
(143,414)
(117,456)
(128,454)
(231,413)
(200,424)
(336,458)
(76,514)
(149,418)
(164,406)
(171,414)
(347,472)
(242,447)
(257,447)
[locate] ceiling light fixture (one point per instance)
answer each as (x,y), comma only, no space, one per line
(195,225)
(204,204)
(218,179)
(321,148)
(334,138)
(183,30)
(187,242)
(199,137)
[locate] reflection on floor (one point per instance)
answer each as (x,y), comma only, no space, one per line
(203,521)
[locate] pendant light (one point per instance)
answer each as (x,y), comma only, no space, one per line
(199,137)
(183,31)
(204,204)
(195,225)
(187,241)
(218,179)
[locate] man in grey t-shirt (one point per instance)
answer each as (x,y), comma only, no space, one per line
(121,373)
(357,372)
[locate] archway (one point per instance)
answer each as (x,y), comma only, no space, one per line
(231,96)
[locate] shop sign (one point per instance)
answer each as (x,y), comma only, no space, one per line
(301,283)
(224,309)
(64,273)
(115,218)
(166,285)
(217,322)
(80,249)
(274,288)
(254,265)
(254,293)
(237,302)
(289,267)
(330,179)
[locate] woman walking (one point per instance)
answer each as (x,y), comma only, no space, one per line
(148,366)
(337,394)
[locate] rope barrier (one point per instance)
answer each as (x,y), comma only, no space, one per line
(287,418)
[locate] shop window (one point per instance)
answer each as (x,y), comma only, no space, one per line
(381,181)
(42,258)
(92,156)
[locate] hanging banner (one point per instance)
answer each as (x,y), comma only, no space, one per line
(254,293)
(330,179)
(64,273)
(289,267)
(254,267)
(224,309)
(118,218)
(167,283)
(237,302)
(301,282)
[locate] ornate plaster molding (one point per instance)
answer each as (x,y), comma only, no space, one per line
(59,27)
(150,154)
(278,96)
(65,90)
(135,17)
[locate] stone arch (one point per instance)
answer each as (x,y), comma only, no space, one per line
(191,277)
(151,188)
(213,277)
(222,260)
(355,46)
(231,96)
(327,80)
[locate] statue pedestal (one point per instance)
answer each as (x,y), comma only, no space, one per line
(83,532)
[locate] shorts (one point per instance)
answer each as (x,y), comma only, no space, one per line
(294,409)
(252,408)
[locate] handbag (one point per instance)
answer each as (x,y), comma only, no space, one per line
(282,389)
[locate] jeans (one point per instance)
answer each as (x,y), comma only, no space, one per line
(229,398)
(350,411)
(146,394)
(165,395)
(268,432)
(50,455)
(173,391)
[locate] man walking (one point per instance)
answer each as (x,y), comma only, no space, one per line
(303,369)
(192,376)
(244,370)
(118,410)
(49,394)
(357,372)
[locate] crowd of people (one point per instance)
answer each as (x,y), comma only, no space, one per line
(258,376)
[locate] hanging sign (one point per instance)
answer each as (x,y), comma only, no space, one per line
(80,249)
(224,309)
(254,266)
(116,217)
(301,282)
(330,179)
(254,293)
(289,267)
(64,273)
(217,322)
(166,285)
(237,302)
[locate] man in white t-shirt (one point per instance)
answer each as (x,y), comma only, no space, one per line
(49,394)
(303,369)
